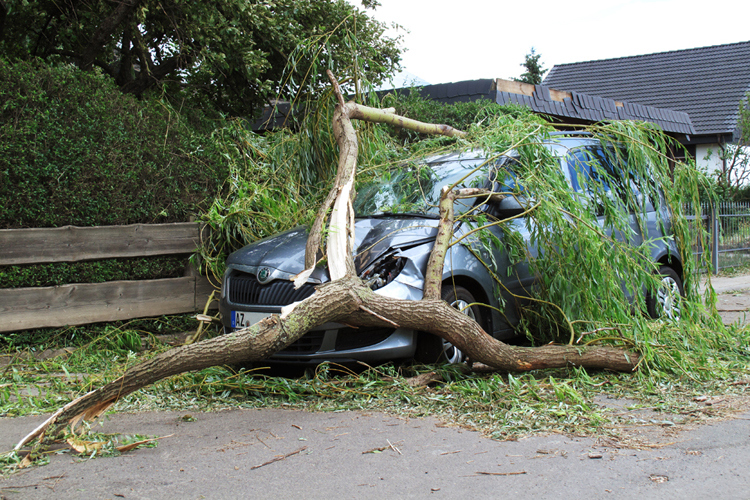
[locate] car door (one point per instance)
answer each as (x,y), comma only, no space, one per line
(624,189)
(500,249)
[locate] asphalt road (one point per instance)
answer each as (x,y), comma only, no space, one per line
(284,453)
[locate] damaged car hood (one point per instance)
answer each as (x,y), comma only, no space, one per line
(285,252)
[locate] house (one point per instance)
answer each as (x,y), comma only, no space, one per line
(565,108)
(707,83)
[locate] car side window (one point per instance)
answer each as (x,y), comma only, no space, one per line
(503,176)
(584,172)
(612,163)
(625,182)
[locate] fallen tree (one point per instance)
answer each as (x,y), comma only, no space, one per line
(346,299)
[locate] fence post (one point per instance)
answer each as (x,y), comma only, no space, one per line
(714,219)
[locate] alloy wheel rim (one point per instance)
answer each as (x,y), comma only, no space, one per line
(668,298)
(452,353)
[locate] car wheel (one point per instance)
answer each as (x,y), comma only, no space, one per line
(433,349)
(666,302)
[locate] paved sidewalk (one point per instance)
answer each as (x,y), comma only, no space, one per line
(729,284)
(272,453)
(733,299)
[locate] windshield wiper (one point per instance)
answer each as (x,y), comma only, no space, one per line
(399,215)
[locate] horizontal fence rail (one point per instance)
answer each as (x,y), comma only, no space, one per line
(78,304)
(73,244)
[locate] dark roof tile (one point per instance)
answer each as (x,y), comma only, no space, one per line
(579,106)
(570,108)
(706,82)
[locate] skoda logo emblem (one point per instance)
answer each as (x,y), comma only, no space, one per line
(264,274)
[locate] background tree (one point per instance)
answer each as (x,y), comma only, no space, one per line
(230,53)
(735,172)
(534,71)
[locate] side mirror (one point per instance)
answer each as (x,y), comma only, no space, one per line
(510,206)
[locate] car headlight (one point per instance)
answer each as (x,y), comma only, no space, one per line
(383,271)
(224,283)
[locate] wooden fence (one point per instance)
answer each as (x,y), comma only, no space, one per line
(77,304)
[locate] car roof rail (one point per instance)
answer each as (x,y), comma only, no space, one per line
(571,133)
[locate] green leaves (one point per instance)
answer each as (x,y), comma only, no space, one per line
(230,54)
(77,151)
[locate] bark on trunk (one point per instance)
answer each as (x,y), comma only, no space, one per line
(104,31)
(349,300)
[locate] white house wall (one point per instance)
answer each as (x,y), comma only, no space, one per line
(707,157)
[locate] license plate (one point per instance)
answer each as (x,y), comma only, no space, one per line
(242,319)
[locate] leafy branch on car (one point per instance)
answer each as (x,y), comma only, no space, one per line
(345,299)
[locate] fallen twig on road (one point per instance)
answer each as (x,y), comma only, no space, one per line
(501,473)
(276,459)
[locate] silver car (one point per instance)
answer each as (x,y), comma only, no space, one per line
(396,226)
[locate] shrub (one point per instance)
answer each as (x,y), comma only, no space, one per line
(75,150)
(61,273)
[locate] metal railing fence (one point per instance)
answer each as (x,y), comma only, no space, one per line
(728,226)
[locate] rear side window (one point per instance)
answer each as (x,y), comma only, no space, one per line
(616,167)
(503,176)
(603,171)
(584,168)
(626,182)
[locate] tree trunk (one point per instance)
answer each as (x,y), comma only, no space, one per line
(348,300)
(104,31)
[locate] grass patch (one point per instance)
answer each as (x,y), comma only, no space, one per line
(501,405)
(734,271)
(41,339)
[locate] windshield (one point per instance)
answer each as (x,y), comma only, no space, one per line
(415,189)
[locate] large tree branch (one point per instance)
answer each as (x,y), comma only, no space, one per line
(345,299)
(125,68)
(329,303)
(340,235)
(434,275)
(388,116)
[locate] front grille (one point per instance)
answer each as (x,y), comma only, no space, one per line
(246,289)
(354,338)
(309,343)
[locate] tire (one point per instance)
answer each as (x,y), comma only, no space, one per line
(432,349)
(666,302)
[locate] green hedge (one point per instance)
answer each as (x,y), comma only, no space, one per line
(460,115)
(62,273)
(75,150)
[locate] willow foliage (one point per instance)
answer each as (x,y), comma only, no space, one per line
(593,270)
(276,181)
(591,282)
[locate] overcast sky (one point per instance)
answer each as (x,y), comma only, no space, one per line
(454,40)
